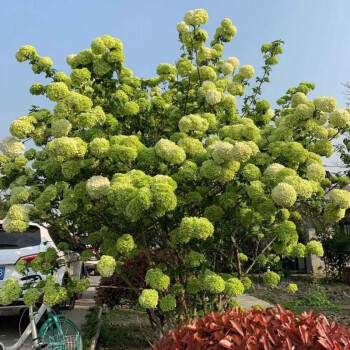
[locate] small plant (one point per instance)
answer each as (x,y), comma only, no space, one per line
(318,296)
(292,288)
(258,329)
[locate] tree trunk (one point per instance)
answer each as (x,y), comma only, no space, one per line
(238,261)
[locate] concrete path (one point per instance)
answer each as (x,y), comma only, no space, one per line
(9,332)
(82,306)
(248,301)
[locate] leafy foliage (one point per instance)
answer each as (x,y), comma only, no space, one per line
(257,329)
(337,251)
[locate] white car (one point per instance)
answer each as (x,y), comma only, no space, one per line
(26,246)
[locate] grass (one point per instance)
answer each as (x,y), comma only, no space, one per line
(89,327)
(126,329)
(321,295)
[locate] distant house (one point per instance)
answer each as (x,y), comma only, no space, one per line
(312,264)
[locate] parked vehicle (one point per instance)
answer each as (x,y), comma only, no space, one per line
(91,264)
(26,246)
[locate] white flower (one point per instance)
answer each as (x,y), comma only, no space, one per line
(11,147)
(227,68)
(182,27)
(213,96)
(233,61)
(97,186)
(241,152)
(339,118)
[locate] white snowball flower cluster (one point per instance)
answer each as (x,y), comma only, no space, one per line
(315,172)
(340,118)
(12,148)
(246,72)
(284,195)
(213,96)
(233,61)
(341,198)
(273,169)
(196,17)
(241,152)
(325,104)
(182,27)
(60,128)
(97,186)
(222,152)
(169,151)
(193,122)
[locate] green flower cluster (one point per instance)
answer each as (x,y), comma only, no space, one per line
(271,278)
(167,303)
(193,123)
(66,148)
(19,195)
(125,244)
(134,193)
(60,128)
(332,213)
(170,152)
(149,299)
(314,248)
(99,147)
(25,53)
(79,286)
(284,195)
(124,149)
(31,296)
(177,289)
(21,266)
(213,283)
(341,198)
(22,127)
(234,287)
(196,17)
(192,228)
(157,279)
(10,291)
(106,266)
(292,288)
(17,219)
(194,259)
(54,294)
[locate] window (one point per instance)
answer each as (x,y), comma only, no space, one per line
(20,240)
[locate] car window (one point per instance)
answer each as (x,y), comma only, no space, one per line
(31,237)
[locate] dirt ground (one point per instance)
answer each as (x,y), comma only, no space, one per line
(327,297)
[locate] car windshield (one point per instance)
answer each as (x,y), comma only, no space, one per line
(31,237)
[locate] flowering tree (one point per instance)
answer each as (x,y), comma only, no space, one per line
(170,165)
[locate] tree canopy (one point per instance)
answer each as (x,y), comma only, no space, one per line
(170,165)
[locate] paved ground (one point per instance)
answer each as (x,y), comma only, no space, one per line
(248,301)
(9,332)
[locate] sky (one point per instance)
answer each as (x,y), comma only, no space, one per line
(316,35)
